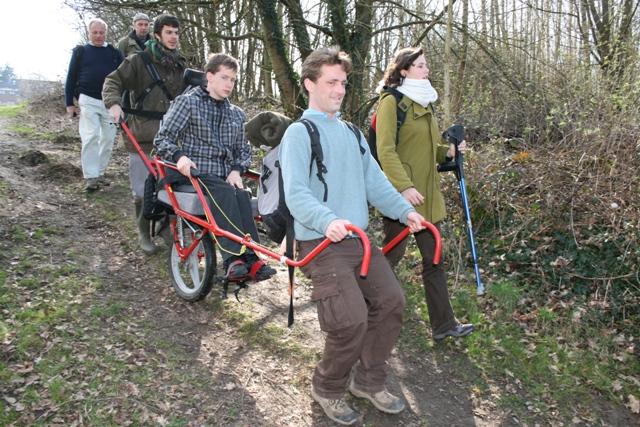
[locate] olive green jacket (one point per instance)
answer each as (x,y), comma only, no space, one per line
(128,46)
(132,75)
(413,163)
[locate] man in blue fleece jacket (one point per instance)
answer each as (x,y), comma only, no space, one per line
(362,318)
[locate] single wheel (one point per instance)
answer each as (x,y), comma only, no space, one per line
(193,278)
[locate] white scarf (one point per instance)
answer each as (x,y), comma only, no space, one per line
(419,91)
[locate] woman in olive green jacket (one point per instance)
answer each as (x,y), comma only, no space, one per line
(408,157)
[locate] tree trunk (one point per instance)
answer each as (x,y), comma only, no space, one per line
(286,77)
(446,99)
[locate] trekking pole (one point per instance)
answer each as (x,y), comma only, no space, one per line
(455,135)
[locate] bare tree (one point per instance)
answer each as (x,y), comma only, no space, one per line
(609,30)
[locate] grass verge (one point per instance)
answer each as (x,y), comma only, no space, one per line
(533,357)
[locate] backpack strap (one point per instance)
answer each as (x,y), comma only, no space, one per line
(401,110)
(117,55)
(289,249)
(266,173)
(316,153)
(357,133)
(316,149)
(78,51)
(157,81)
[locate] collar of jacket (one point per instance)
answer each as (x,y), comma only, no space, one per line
(152,46)
(138,40)
(418,110)
(220,103)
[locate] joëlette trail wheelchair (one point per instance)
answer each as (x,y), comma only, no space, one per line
(192,257)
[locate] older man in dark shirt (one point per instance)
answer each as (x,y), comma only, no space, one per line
(89,66)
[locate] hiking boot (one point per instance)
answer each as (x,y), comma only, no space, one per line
(264,271)
(383,400)
(460,330)
(235,268)
(92,184)
(336,409)
(103,182)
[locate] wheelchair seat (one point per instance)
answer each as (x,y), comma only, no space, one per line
(189,201)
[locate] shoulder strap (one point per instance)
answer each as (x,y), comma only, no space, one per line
(356,132)
(117,55)
(316,153)
(78,51)
(157,80)
(401,110)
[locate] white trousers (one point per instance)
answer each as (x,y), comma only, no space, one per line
(98,132)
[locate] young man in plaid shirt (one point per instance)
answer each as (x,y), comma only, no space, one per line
(211,134)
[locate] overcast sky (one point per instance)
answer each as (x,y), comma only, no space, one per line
(37,37)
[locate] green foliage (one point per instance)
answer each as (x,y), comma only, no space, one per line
(12,110)
(25,131)
(19,234)
(546,355)
(7,75)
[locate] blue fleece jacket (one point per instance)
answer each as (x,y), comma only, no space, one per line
(352,178)
(95,64)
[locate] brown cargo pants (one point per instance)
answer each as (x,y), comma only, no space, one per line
(362,318)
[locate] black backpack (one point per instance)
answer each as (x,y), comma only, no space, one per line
(402,115)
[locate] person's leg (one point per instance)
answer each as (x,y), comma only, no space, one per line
(108,132)
(442,318)
(342,311)
(262,270)
(243,198)
(231,209)
(89,128)
(385,301)
(441,314)
(137,174)
(226,213)
(392,228)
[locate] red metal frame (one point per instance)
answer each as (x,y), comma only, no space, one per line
(157,168)
(405,233)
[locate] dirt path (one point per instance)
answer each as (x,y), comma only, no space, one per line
(45,189)
(204,372)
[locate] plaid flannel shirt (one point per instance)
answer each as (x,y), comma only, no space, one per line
(210,133)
